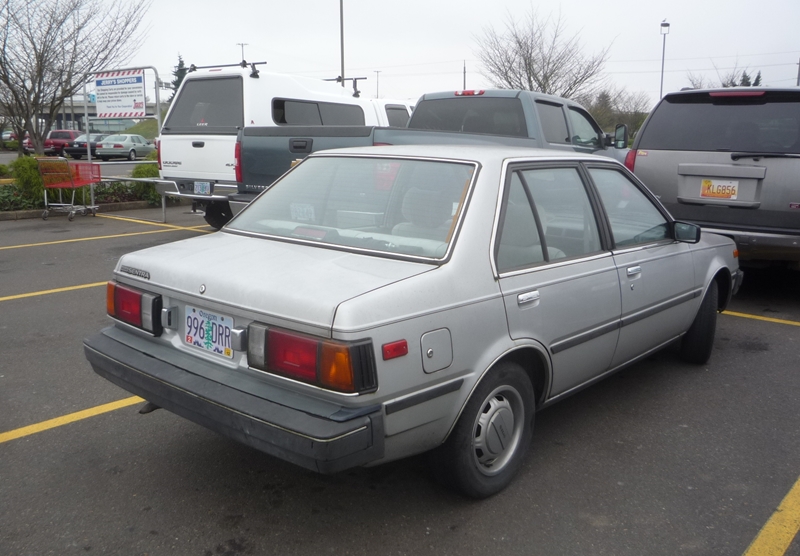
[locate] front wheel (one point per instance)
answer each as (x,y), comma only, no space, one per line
(698,341)
(218,214)
(489,442)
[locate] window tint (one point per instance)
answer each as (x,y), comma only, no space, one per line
(699,122)
(498,116)
(397,115)
(553,123)
(584,129)
(207,105)
(519,244)
(300,112)
(633,217)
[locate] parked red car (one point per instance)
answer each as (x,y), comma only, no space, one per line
(59,139)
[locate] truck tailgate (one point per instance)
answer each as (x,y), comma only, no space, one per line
(202,157)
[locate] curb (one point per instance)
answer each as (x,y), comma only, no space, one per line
(106,207)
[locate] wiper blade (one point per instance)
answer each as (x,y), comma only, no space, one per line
(757,155)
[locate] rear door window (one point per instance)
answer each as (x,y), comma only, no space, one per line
(767,122)
(554,124)
(207,106)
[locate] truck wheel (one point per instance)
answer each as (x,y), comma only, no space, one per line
(698,341)
(217,214)
(488,443)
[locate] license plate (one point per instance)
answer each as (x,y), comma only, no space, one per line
(208,331)
(202,187)
(719,189)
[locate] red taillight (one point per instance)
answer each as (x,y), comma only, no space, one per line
(630,159)
(158,150)
(469,93)
(118,146)
(237,156)
(737,94)
(134,307)
(340,366)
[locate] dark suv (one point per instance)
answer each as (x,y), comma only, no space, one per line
(729,160)
(59,139)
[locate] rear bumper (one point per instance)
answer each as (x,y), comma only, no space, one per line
(321,444)
(184,188)
(762,245)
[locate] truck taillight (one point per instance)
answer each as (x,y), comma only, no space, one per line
(237,156)
(630,159)
(134,307)
(347,367)
(158,150)
(469,93)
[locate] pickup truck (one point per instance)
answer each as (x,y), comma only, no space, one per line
(506,117)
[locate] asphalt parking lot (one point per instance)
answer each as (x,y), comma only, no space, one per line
(663,458)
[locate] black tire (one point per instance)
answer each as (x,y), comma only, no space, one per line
(45,214)
(104,158)
(132,155)
(76,156)
(217,214)
(491,438)
(698,342)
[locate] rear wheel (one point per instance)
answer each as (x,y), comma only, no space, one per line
(698,341)
(217,214)
(132,155)
(489,442)
(76,156)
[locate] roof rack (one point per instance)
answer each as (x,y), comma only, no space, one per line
(242,64)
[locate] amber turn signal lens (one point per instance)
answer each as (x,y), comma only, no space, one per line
(110,298)
(336,369)
(735,253)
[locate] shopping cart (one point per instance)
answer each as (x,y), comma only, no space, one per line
(59,173)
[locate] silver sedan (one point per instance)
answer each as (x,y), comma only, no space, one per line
(380,302)
(124,146)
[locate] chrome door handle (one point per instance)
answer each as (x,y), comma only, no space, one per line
(634,270)
(527,297)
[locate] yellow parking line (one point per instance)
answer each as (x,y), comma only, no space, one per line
(163,225)
(66,419)
(84,239)
(56,290)
(777,535)
(757,317)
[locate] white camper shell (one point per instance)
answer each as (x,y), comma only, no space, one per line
(198,136)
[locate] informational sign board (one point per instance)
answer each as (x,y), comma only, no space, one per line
(120,94)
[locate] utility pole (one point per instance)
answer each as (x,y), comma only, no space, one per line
(377,83)
(242,44)
(798,74)
(464,88)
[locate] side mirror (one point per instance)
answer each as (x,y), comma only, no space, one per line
(621,136)
(685,232)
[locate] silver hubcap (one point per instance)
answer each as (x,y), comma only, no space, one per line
(497,430)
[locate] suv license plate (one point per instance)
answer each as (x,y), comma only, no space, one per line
(202,187)
(719,189)
(208,331)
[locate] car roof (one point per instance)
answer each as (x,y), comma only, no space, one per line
(484,154)
(735,90)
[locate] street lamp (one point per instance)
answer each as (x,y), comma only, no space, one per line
(341,34)
(664,33)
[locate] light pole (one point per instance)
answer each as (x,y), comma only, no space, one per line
(664,33)
(242,44)
(377,83)
(341,34)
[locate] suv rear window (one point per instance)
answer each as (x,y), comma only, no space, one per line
(768,122)
(212,105)
(497,116)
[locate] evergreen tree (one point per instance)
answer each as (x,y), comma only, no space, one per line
(178,74)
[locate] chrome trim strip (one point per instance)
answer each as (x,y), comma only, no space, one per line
(659,307)
(585,336)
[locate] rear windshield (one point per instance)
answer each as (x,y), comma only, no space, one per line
(400,207)
(207,106)
(497,116)
(699,122)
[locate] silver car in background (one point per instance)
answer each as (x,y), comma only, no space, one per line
(124,146)
(729,160)
(380,302)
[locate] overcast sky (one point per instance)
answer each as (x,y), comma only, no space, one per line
(420,46)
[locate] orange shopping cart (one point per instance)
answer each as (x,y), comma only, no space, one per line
(59,173)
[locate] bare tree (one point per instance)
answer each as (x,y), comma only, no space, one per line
(611,106)
(735,77)
(536,55)
(50,46)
